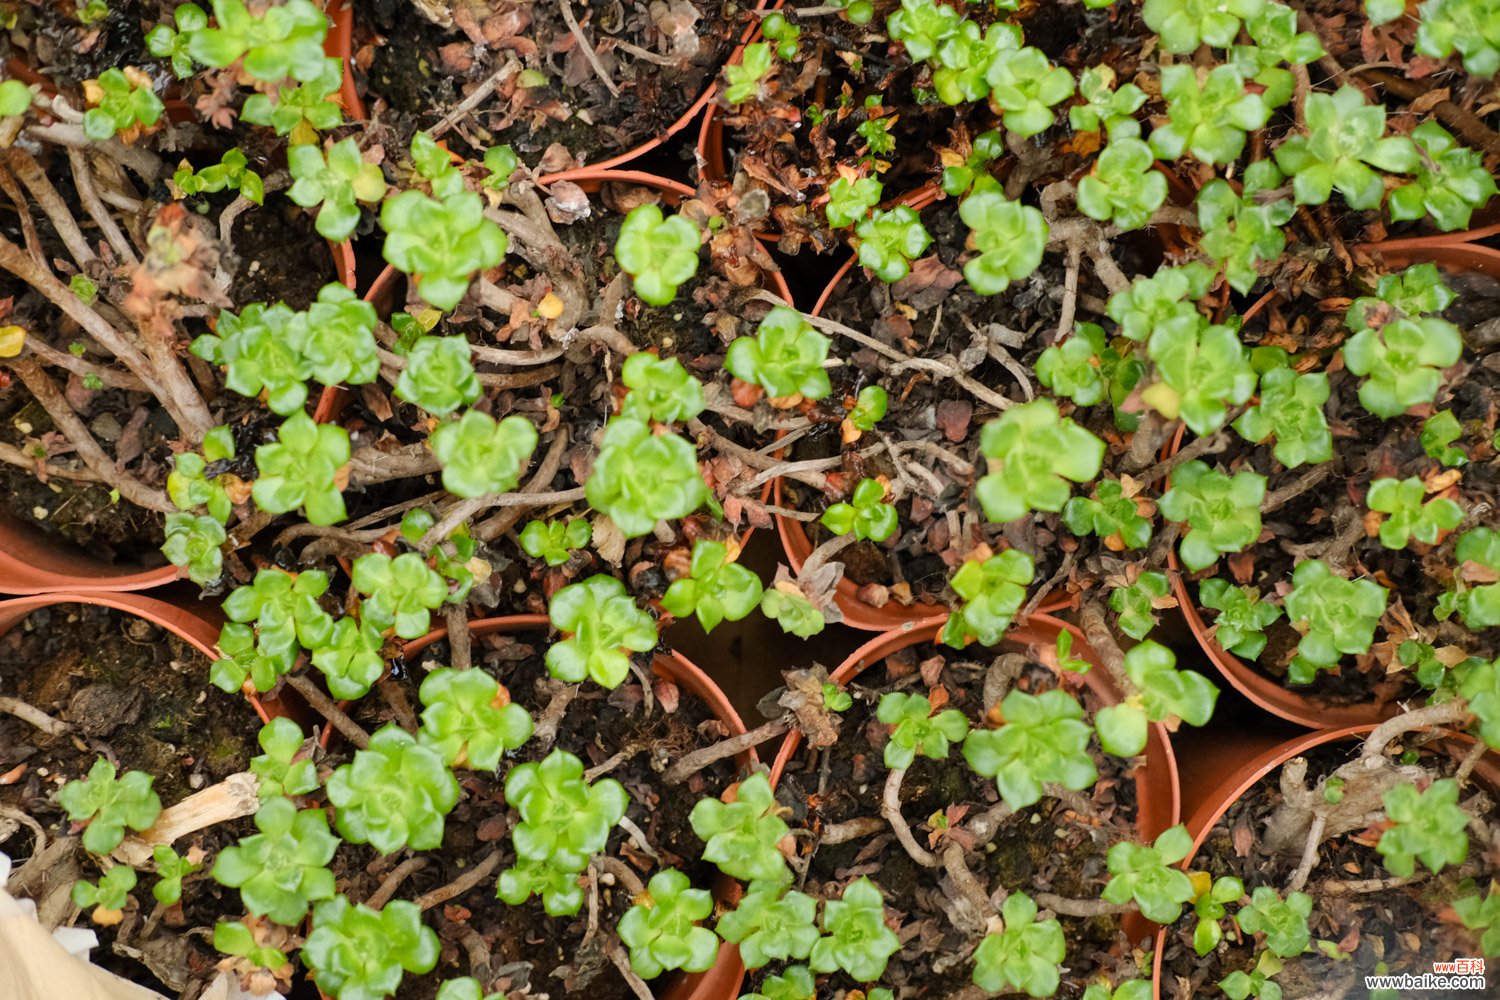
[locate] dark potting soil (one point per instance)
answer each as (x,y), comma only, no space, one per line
(83,513)
(266,240)
(49,39)
(1368,448)
(1045,848)
(419,68)
(1400,926)
(551,953)
(139,696)
(938,318)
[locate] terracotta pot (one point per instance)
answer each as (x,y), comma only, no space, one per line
(1156,784)
(722,982)
(797,545)
(1451,252)
(195,622)
(1232,763)
(339,44)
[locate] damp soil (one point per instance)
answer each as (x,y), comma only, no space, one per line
(1045,848)
(418,68)
(1400,926)
(937,317)
(551,954)
(1368,448)
(49,39)
(140,697)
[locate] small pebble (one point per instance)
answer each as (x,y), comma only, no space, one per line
(40,513)
(195,780)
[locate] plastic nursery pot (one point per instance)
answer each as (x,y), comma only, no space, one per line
(705,100)
(857,613)
(1452,252)
(1157,793)
(339,44)
(722,982)
(195,622)
(1235,761)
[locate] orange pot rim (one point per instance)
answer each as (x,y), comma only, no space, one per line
(1158,799)
(1249,773)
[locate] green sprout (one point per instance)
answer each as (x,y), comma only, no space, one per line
(1222,512)
(285,40)
(604,623)
(869,408)
(1345,138)
(1334,615)
(1034,451)
(1283,922)
(1439,431)
(1123,188)
(856,938)
(1162,692)
(658,252)
(1149,876)
(741,837)
(1277,44)
(889,241)
(1024,86)
(744,79)
(867,517)
(481,456)
(1291,408)
(171,869)
(796,983)
(1109,514)
(1209,906)
(232,172)
(992,590)
(661,930)
(439,375)
(242,657)
(403,590)
(916,729)
(1479,684)
(302,469)
(195,543)
(771,923)
(1044,740)
(640,478)
(1257,982)
(1024,954)
(785,357)
(661,390)
(1482,914)
(280,770)
(1185,24)
(1450,182)
(850,200)
(1428,826)
(394,794)
(1242,616)
(791,609)
(716,588)
(1403,360)
(564,819)
(284,609)
(283,869)
(1165,301)
(552,541)
(339,181)
(469,720)
(15,99)
(109,804)
(1136,604)
(172,42)
(123,102)
(1447,25)
(442,243)
(300,111)
(465,988)
(111,894)
(1209,117)
(1239,230)
(237,940)
(356,953)
(922,26)
(1070,369)
(1106,106)
(1009,236)
(959,179)
(778,29)
(1407,517)
(1201,372)
(351,660)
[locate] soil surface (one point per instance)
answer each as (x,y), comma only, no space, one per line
(1047,847)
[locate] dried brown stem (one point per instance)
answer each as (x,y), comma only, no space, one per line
(34,716)
(392,882)
(325,705)
(623,873)
(691,763)
(12,455)
(587,47)
(31,174)
(1278,499)
(1063,906)
(1445,714)
(890,808)
(1099,635)
(462,884)
(88,194)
